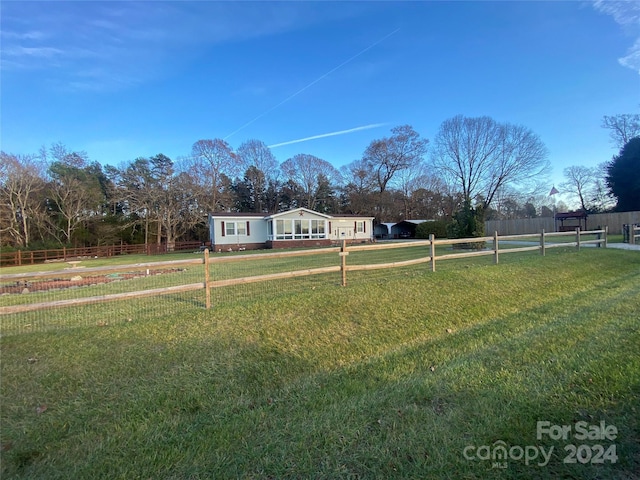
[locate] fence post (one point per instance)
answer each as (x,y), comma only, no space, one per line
(495,246)
(343,262)
(578,238)
(542,246)
(432,251)
(19,257)
(632,233)
(207,290)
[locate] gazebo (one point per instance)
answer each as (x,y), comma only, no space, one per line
(569,221)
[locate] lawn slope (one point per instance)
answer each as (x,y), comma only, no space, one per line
(389,377)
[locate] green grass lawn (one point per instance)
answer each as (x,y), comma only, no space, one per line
(396,375)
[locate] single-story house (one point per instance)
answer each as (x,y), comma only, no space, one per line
(299,227)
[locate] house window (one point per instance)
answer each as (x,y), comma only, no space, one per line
(284,230)
(235,228)
(302,229)
(317,229)
(359,227)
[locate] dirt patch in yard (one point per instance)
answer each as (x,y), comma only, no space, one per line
(78,281)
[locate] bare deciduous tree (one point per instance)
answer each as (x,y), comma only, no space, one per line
(480,156)
(359,187)
(60,154)
(464,148)
(138,192)
(388,156)
(411,180)
(622,127)
(255,153)
(214,160)
(579,182)
(308,171)
(75,190)
(260,167)
(434,199)
(20,200)
(602,198)
(588,186)
(77,199)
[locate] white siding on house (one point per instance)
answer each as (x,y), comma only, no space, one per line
(351,228)
(239,230)
(301,224)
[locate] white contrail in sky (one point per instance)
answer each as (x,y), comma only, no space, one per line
(332,134)
(312,83)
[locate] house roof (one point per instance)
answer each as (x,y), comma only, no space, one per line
(300,210)
(237,214)
(349,215)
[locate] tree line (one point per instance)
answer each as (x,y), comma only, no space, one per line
(475,168)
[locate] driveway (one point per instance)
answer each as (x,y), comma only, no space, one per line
(621,246)
(624,246)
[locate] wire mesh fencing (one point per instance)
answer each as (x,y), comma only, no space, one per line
(79,294)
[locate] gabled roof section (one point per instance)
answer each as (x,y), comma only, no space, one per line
(350,215)
(301,211)
(236,215)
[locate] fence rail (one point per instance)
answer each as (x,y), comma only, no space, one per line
(539,242)
(32,257)
(632,233)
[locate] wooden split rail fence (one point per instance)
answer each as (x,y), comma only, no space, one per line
(531,242)
(633,233)
(32,257)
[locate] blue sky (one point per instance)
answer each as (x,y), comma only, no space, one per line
(121,80)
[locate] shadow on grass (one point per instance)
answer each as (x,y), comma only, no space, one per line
(411,412)
(196,399)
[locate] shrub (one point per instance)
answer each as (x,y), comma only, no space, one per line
(439,228)
(468,222)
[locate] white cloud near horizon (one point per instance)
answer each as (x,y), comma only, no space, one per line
(331,134)
(626,14)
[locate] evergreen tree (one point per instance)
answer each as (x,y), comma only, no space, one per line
(623,176)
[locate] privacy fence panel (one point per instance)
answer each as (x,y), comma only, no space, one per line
(520,226)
